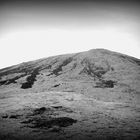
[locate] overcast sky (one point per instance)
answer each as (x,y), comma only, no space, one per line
(33,29)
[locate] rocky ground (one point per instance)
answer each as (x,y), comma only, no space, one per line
(67,115)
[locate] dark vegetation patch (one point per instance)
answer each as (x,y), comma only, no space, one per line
(40,110)
(94,70)
(26,68)
(3,82)
(30,79)
(43,118)
(97,72)
(57,70)
(105,84)
(14,116)
(33,113)
(56,85)
(11,81)
(57,107)
(50,122)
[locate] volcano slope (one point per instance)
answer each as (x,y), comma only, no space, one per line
(88,95)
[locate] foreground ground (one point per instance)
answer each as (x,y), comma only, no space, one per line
(66,115)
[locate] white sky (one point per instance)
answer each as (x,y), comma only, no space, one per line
(29,44)
(32,31)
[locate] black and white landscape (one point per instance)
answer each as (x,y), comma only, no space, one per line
(87,95)
(69,70)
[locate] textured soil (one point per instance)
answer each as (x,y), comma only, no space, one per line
(67,115)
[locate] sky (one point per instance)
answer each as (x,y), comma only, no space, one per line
(34,29)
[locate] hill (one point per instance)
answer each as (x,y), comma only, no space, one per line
(81,72)
(87,95)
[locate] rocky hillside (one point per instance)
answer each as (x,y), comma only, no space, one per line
(89,72)
(83,96)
